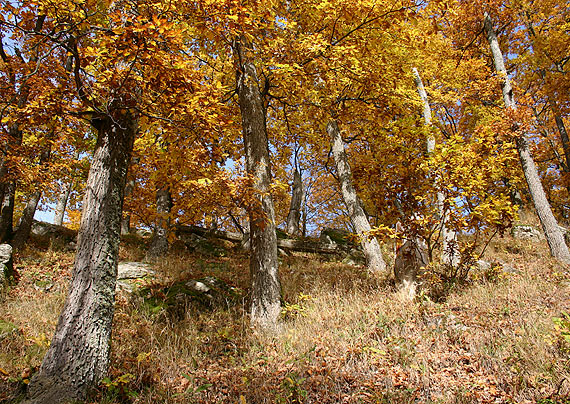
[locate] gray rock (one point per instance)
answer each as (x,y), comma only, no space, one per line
(143,232)
(509,269)
(207,292)
(326,239)
(129,272)
(483,265)
(48,229)
(486,266)
(61,237)
(6,264)
(133,270)
(336,237)
(526,232)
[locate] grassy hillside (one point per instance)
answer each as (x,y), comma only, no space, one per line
(346,337)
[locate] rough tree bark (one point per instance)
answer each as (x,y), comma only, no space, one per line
(265,286)
(371,248)
(449,253)
(159,244)
(297,196)
(78,356)
(554,236)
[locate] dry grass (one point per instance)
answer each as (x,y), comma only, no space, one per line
(346,337)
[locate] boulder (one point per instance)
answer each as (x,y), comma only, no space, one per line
(206,292)
(6,264)
(129,272)
(485,267)
(57,235)
(526,232)
(336,237)
(133,270)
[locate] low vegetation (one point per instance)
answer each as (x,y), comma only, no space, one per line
(346,337)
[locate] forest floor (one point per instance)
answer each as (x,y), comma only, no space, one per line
(346,337)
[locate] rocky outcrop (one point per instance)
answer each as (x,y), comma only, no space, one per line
(527,232)
(128,273)
(204,293)
(6,265)
(59,235)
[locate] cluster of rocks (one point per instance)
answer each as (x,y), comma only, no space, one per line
(526,232)
(208,291)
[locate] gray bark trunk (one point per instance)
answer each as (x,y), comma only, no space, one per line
(78,356)
(449,253)
(159,243)
(265,286)
(370,246)
(62,200)
(554,236)
(555,111)
(562,131)
(62,203)
(297,196)
(8,188)
(25,226)
(7,212)
(126,221)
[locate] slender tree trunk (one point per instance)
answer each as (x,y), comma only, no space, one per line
(371,248)
(25,226)
(63,198)
(129,188)
(159,243)
(555,111)
(266,289)
(7,212)
(9,184)
(297,196)
(449,253)
(61,205)
(78,356)
(554,236)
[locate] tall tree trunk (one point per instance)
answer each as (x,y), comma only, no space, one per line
(61,205)
(8,185)
(7,212)
(63,198)
(159,243)
(78,356)
(25,226)
(449,253)
(265,285)
(554,236)
(129,188)
(358,218)
(8,189)
(555,111)
(297,196)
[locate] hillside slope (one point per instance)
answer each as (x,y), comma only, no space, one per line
(346,337)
